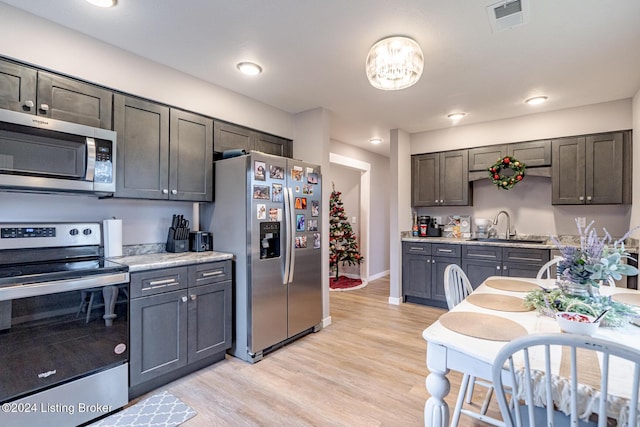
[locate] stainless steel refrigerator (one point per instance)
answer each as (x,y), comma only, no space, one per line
(267,213)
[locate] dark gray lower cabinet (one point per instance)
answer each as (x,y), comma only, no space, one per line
(482,261)
(423,266)
(180,322)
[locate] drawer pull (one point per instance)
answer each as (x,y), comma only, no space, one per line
(413,248)
(445,250)
(163,282)
(212,273)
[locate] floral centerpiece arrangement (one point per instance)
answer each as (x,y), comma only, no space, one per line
(581,272)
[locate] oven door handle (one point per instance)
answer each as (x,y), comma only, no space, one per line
(25,290)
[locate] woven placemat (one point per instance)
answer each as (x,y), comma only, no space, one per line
(631,298)
(511,285)
(498,302)
(483,326)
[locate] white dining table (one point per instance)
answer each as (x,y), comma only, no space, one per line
(448,350)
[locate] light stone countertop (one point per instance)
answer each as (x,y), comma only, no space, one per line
(631,246)
(151,261)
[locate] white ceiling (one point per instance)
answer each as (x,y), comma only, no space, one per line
(577,52)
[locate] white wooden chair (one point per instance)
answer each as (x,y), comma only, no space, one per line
(456,288)
(533,403)
(545,271)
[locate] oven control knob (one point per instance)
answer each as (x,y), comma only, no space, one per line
(86,231)
(74,231)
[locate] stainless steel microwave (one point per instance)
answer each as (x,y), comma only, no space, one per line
(46,155)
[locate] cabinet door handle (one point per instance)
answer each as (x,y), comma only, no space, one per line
(28,104)
(193,297)
(433,261)
(184,299)
(581,198)
(44,107)
(212,273)
(588,198)
(497,267)
(436,201)
(161,282)
(174,191)
(504,267)
(165,191)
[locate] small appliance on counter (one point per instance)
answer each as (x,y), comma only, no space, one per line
(178,237)
(200,241)
(423,225)
(434,230)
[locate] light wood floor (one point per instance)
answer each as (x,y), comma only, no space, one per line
(366,369)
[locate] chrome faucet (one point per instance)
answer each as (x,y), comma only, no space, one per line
(507,233)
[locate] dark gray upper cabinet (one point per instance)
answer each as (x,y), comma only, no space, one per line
(191,157)
(50,95)
(441,179)
(73,101)
(531,153)
(271,144)
(17,87)
(162,153)
(232,137)
(593,169)
(142,169)
(482,157)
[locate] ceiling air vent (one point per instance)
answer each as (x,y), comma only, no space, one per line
(508,14)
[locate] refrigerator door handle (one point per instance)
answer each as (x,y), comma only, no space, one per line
(288,231)
(292,242)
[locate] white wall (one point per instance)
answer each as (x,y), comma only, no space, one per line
(604,117)
(378,207)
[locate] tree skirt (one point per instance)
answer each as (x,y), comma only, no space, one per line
(343,283)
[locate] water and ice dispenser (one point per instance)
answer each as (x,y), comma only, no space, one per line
(269,240)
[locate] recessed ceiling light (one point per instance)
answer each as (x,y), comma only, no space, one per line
(103,3)
(375,141)
(249,68)
(456,116)
(536,100)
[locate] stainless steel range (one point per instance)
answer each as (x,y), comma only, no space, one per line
(63,325)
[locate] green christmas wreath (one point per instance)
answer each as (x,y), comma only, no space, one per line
(506,182)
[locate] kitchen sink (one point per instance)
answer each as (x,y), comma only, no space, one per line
(496,240)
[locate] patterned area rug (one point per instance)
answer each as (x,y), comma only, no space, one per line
(162,410)
(343,283)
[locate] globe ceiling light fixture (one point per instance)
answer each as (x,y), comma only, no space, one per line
(394,63)
(103,3)
(536,100)
(249,68)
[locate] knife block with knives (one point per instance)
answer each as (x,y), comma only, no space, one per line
(178,237)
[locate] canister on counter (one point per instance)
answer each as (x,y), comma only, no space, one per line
(424,225)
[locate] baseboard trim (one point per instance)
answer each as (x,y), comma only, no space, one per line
(395,301)
(380,275)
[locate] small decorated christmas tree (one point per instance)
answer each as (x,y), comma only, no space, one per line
(343,246)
